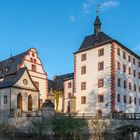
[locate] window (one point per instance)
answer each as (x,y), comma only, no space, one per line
(139,64)
(119,82)
(100,83)
(31,59)
(134,87)
(83,57)
(35,61)
(101,66)
(100,98)
(129,71)
(134,73)
(83,86)
(130,86)
(34,68)
(5,99)
(130,100)
(69,95)
(134,61)
(118,51)
(124,98)
(129,58)
(83,70)
(139,75)
(125,86)
(69,85)
(83,100)
(124,55)
(118,98)
(33,55)
(100,52)
(139,88)
(124,68)
(119,67)
(37,84)
(135,100)
(139,101)
(0,100)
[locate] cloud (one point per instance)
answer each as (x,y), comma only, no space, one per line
(87,6)
(137,48)
(110,4)
(72,18)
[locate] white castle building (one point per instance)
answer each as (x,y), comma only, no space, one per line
(106,76)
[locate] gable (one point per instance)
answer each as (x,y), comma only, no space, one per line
(25,82)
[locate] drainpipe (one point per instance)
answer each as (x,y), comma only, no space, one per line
(10,101)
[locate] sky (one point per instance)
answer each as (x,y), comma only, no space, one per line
(56,28)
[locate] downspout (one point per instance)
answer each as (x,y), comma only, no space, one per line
(10,101)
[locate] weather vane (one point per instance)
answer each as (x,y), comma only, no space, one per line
(97,9)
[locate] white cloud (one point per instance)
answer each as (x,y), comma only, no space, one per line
(72,18)
(137,48)
(87,6)
(110,4)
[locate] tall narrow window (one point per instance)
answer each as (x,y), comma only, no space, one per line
(124,98)
(129,58)
(130,100)
(69,95)
(139,101)
(101,66)
(100,98)
(118,98)
(125,85)
(139,64)
(119,82)
(135,100)
(100,83)
(139,75)
(19,101)
(129,71)
(83,100)
(124,68)
(69,85)
(134,61)
(118,51)
(101,52)
(83,70)
(34,68)
(119,67)
(134,73)
(130,86)
(124,55)
(134,87)
(30,103)
(83,86)
(83,57)
(5,99)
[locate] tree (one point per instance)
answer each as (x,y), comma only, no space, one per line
(57,96)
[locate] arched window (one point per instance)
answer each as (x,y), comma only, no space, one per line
(130,100)
(30,103)
(19,101)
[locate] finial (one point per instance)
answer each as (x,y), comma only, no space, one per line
(97,9)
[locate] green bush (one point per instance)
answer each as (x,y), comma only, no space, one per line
(67,127)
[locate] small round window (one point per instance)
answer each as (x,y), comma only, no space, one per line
(25,82)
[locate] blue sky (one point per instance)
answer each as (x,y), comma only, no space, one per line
(56,28)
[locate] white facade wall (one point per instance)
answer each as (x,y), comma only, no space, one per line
(91,78)
(40,75)
(127,107)
(67,90)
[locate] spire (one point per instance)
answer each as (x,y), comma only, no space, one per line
(97,23)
